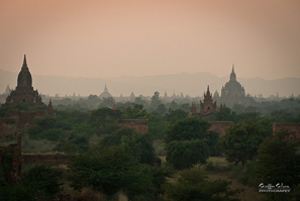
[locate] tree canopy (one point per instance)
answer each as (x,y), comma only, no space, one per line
(185,154)
(193,184)
(187,129)
(278,161)
(110,170)
(242,140)
(137,144)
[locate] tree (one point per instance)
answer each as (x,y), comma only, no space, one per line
(135,111)
(266,125)
(225,114)
(191,128)
(155,100)
(93,98)
(176,115)
(186,107)
(45,128)
(280,115)
(136,144)
(122,106)
(107,102)
(193,184)
(242,140)
(110,170)
(173,105)
(250,108)
(104,119)
(140,101)
(158,127)
(185,154)
(160,110)
(40,182)
(72,142)
(45,123)
(238,108)
(158,175)
(43,179)
(277,160)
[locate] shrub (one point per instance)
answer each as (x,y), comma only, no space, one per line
(194,185)
(90,195)
(216,167)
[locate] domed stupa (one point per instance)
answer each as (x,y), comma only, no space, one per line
(233,92)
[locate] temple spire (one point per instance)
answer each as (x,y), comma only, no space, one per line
(24,62)
(232,75)
(24,77)
(105,89)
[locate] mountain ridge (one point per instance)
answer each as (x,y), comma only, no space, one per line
(188,84)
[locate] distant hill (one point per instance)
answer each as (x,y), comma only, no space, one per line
(188,84)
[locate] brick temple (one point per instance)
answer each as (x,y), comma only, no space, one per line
(24,92)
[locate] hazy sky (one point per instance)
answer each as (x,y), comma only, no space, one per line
(150,37)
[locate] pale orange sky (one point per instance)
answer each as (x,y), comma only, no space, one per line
(116,38)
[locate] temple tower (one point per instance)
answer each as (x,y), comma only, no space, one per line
(24,92)
(233,92)
(207,107)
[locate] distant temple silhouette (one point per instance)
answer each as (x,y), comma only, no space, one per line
(105,93)
(7,91)
(24,92)
(207,107)
(233,92)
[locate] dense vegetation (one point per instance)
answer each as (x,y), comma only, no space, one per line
(106,160)
(193,184)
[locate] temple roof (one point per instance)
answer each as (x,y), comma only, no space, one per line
(24,77)
(105,93)
(7,90)
(232,75)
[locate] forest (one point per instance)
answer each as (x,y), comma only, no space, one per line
(178,159)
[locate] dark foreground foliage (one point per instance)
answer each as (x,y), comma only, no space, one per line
(278,161)
(242,140)
(189,142)
(194,185)
(39,182)
(185,154)
(136,144)
(112,169)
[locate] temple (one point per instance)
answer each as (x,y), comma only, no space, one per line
(7,91)
(105,93)
(233,92)
(18,120)
(24,92)
(207,107)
